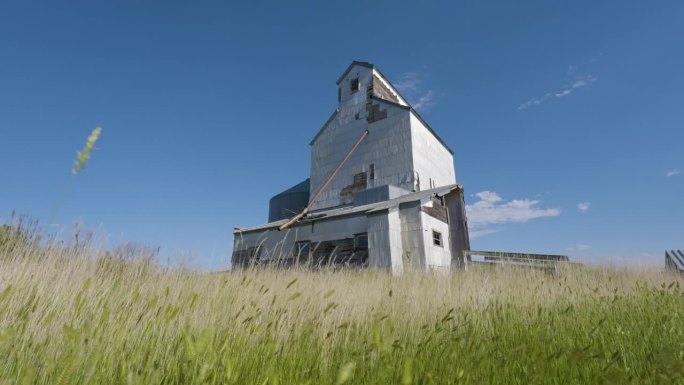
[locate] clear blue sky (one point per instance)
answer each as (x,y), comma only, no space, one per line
(207,111)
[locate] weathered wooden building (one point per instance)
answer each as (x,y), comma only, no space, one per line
(382,190)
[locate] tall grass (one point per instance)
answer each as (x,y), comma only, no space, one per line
(72,315)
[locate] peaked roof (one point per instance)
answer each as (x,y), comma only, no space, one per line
(407,107)
(355,63)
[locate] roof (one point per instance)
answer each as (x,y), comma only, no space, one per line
(365,209)
(417,115)
(334,114)
(354,63)
(409,108)
(675,259)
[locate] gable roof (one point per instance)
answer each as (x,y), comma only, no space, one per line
(407,107)
(334,114)
(354,63)
(417,115)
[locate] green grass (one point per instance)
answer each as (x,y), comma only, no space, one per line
(69,316)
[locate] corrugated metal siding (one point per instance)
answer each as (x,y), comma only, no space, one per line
(674,260)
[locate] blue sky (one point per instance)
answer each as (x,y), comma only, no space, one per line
(566,118)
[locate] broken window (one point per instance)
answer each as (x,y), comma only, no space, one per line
(354,85)
(437,238)
(361,241)
(372,171)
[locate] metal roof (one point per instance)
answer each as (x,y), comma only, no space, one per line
(351,210)
(674,260)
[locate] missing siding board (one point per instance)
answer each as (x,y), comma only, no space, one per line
(361,242)
(375,113)
(382,92)
(303,250)
(437,212)
(340,252)
(246,257)
(359,183)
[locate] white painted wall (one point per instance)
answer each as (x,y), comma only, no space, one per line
(384,241)
(413,251)
(430,158)
(436,257)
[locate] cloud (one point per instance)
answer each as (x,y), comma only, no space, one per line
(581,80)
(492,210)
(579,247)
(408,82)
(583,206)
(563,93)
(411,85)
(424,101)
(672,173)
(481,233)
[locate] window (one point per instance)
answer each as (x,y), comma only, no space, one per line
(354,85)
(372,171)
(361,241)
(437,238)
(339,94)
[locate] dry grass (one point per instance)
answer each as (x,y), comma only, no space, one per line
(72,315)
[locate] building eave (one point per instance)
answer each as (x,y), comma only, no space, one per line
(417,115)
(330,119)
(354,63)
(338,212)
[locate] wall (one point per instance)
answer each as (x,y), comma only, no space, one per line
(458,228)
(387,146)
(436,256)
(281,244)
(413,249)
(384,241)
(430,158)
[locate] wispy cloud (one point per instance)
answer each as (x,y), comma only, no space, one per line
(579,247)
(672,173)
(491,209)
(424,101)
(580,80)
(411,85)
(584,206)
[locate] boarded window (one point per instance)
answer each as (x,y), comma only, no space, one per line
(354,85)
(437,238)
(372,171)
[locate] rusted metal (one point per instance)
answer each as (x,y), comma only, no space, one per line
(325,185)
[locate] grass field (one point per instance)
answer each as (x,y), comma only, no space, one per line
(69,316)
